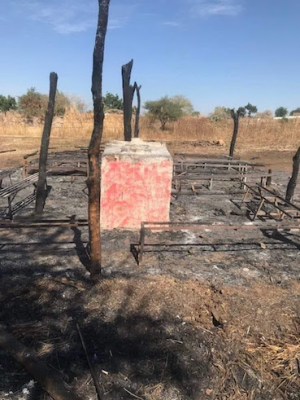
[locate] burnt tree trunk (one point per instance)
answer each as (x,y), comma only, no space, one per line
(293,181)
(138,111)
(41,190)
(128,93)
(50,380)
(93,181)
(235,115)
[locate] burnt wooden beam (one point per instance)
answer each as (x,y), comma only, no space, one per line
(30,155)
(41,189)
(36,224)
(93,181)
(147,227)
(7,151)
(50,380)
(128,93)
(138,110)
(293,181)
(278,197)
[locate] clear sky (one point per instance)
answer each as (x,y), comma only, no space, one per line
(215,52)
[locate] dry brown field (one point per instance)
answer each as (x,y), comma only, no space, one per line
(273,141)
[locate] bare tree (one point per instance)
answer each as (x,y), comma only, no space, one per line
(93,180)
(41,185)
(293,181)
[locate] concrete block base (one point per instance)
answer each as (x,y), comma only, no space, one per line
(136,180)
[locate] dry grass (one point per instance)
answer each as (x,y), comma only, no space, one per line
(186,135)
(280,358)
(257,347)
(263,134)
(253,133)
(265,341)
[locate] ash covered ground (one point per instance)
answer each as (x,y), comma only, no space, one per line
(227,255)
(197,319)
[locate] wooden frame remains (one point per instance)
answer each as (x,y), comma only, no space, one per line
(283,208)
(147,227)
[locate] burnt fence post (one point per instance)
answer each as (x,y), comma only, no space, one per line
(138,110)
(235,115)
(293,181)
(128,93)
(41,190)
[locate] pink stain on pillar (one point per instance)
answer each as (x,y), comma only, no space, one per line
(136,182)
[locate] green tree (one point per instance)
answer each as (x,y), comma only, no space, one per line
(220,113)
(251,109)
(34,104)
(112,102)
(165,110)
(7,103)
(241,111)
(184,103)
(281,112)
(296,111)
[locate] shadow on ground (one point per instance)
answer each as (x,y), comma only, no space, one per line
(140,338)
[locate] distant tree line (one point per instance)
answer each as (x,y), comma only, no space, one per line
(221,113)
(33,104)
(169,109)
(282,112)
(249,110)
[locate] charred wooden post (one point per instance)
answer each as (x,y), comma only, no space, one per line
(235,115)
(93,181)
(269,178)
(41,185)
(293,181)
(138,110)
(128,93)
(50,380)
